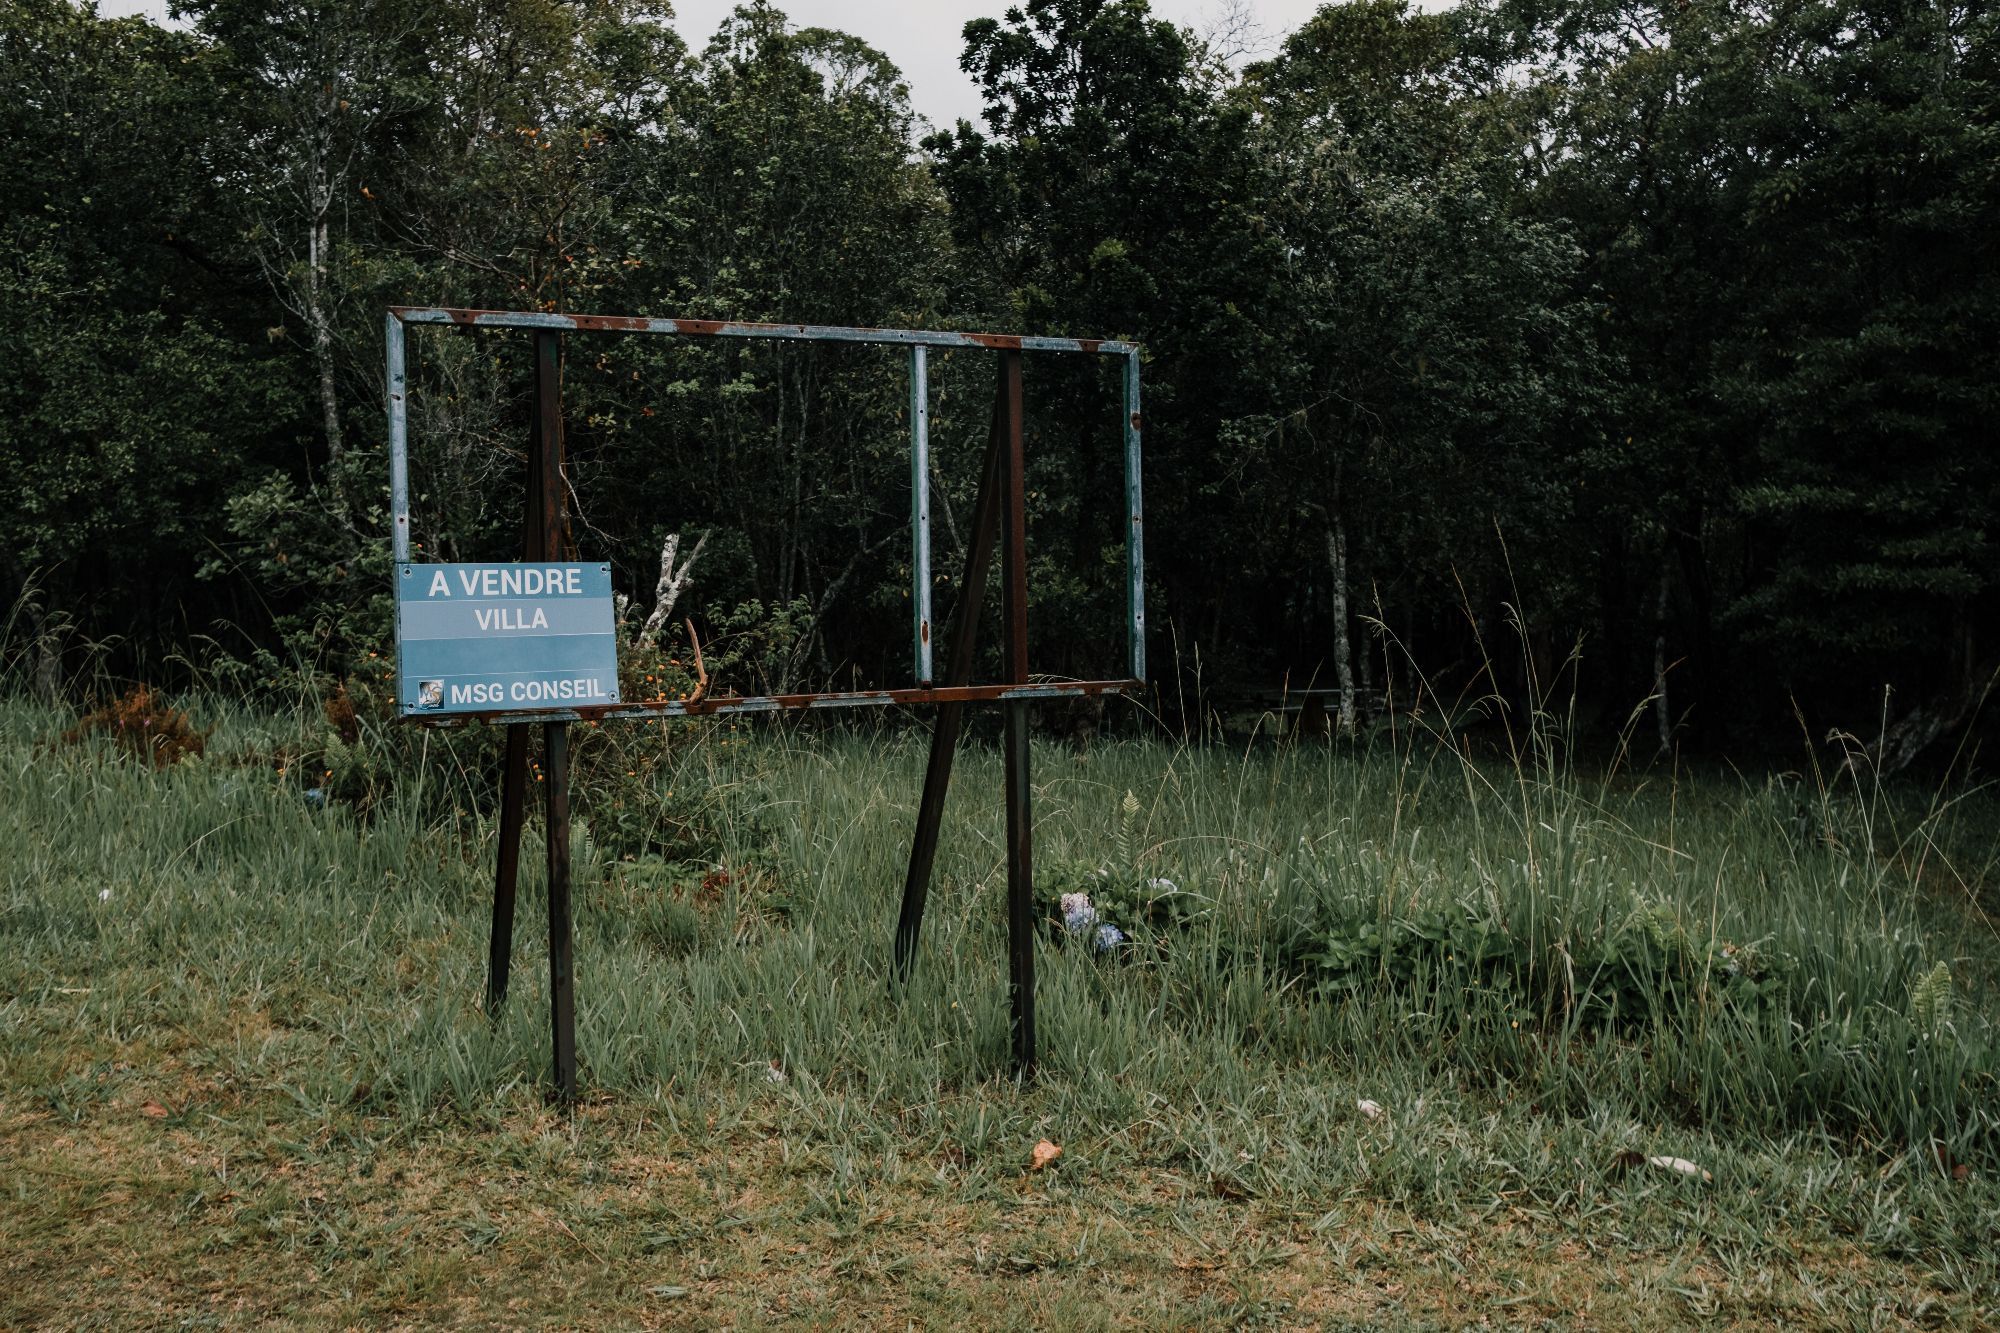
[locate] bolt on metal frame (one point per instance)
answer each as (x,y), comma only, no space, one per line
(1000,519)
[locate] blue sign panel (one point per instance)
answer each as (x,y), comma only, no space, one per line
(500,638)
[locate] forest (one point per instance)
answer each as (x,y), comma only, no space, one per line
(1586,406)
(1642,355)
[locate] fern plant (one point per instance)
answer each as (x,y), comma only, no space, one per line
(1930,999)
(1110,904)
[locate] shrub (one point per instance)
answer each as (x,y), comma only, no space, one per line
(1115,902)
(1646,970)
(143,725)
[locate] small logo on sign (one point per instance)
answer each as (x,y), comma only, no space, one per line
(430,694)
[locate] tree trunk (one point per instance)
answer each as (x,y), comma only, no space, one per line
(48,652)
(1343,660)
(673,581)
(321,320)
(789,529)
(1662,714)
(1702,677)
(1366,711)
(1948,714)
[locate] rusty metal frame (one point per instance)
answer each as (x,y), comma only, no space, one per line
(919,341)
(1000,521)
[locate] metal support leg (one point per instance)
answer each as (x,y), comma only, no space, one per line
(514,765)
(555,735)
(950,716)
(1020,893)
(1020,825)
(513,794)
(562,977)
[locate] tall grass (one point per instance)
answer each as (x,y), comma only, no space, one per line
(1400,920)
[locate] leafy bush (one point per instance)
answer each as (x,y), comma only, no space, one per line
(624,776)
(1647,969)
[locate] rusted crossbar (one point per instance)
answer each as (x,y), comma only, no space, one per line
(723,328)
(642,709)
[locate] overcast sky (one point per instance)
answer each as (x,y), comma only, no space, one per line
(921,36)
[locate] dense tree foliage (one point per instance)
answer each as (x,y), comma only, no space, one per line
(1666,331)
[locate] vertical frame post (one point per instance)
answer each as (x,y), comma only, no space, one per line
(920,508)
(513,773)
(514,762)
(1020,823)
(399,439)
(555,735)
(1135,537)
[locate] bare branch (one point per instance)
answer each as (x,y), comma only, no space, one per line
(673,581)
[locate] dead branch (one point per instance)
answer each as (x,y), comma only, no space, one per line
(673,582)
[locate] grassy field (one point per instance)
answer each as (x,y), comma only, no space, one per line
(245,1079)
